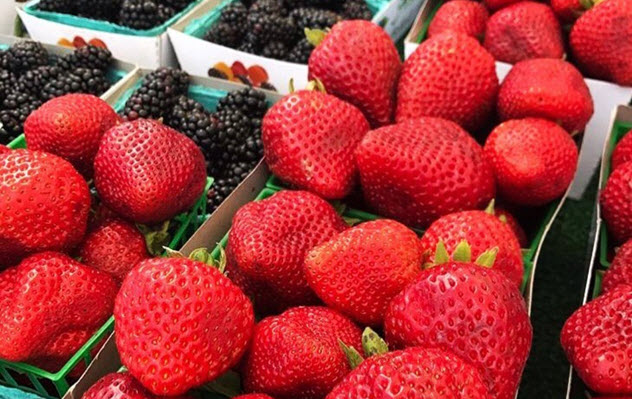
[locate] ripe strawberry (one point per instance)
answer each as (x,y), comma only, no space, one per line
(360,270)
(601,41)
(297,353)
(4,149)
(546,88)
(498,4)
(121,386)
(372,89)
(308,140)
(413,373)
(513,224)
(268,242)
(450,76)
(419,170)
(253,396)
(44,205)
(522,31)
(623,151)
(615,203)
(50,305)
(463,16)
(482,230)
(475,312)
(179,324)
(148,172)
(567,10)
(620,270)
(71,127)
(596,339)
(534,160)
(114,247)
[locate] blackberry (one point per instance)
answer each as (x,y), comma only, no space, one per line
(143,14)
(177,5)
(98,9)
(355,9)
(313,18)
(33,81)
(190,118)
(300,52)
(269,27)
(224,34)
(157,94)
(92,57)
(26,55)
(17,99)
(292,4)
(276,50)
(268,7)
(249,101)
(250,44)
(12,120)
(8,81)
(235,15)
(81,80)
(61,6)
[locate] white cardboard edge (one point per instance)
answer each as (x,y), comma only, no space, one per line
(8,14)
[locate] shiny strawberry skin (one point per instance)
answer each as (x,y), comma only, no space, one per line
(620,270)
(464,16)
(121,386)
(623,151)
(4,149)
(615,204)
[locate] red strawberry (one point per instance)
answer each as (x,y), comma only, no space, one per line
(148,172)
(596,339)
(513,224)
(253,396)
(359,271)
(179,324)
(370,87)
(615,203)
(546,88)
(44,205)
(620,270)
(4,149)
(463,16)
(475,312)
(421,169)
(450,76)
(297,354)
(114,247)
(50,305)
(534,160)
(413,373)
(482,230)
(268,242)
(308,140)
(567,10)
(524,30)
(121,386)
(623,151)
(498,4)
(71,127)
(601,41)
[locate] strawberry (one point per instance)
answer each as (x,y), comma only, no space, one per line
(413,373)
(308,140)
(524,30)
(511,221)
(297,354)
(498,4)
(148,172)
(623,151)
(4,149)
(71,127)
(114,247)
(534,160)
(620,270)
(121,386)
(360,270)
(596,339)
(567,10)
(371,89)
(475,312)
(419,170)
(268,242)
(44,205)
(546,88)
(463,16)
(450,76)
(601,41)
(482,230)
(50,305)
(180,324)
(616,207)
(253,396)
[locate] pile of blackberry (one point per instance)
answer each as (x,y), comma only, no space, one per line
(29,76)
(230,137)
(276,28)
(135,14)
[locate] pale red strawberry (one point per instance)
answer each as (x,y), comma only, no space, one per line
(121,386)
(463,16)
(620,270)
(615,202)
(623,151)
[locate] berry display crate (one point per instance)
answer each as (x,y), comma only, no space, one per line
(149,48)
(196,55)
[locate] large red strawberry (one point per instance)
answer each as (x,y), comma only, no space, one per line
(148,172)
(308,140)
(121,386)
(623,151)
(268,242)
(596,339)
(567,10)
(179,324)
(534,160)
(471,310)
(419,170)
(463,16)
(50,305)
(369,86)
(524,30)
(360,270)
(115,247)
(71,127)
(450,76)
(601,41)
(297,354)
(413,373)
(620,270)
(616,206)
(44,205)
(546,88)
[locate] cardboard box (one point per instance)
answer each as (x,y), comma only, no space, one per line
(8,16)
(196,55)
(148,48)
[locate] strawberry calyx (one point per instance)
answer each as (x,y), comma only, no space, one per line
(588,4)
(156,237)
(201,255)
(462,253)
(313,85)
(372,344)
(490,207)
(315,36)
